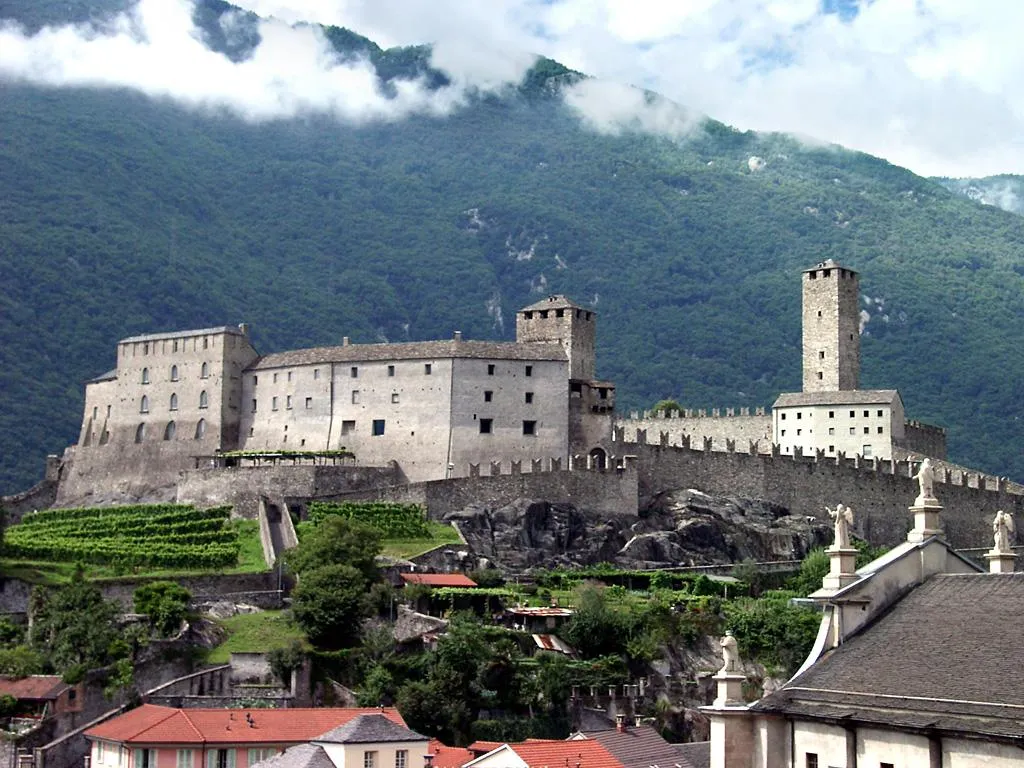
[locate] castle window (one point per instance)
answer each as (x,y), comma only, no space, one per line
(309,403)
(831,430)
(169,431)
(252,431)
(204,400)
(879,414)
(427,369)
(559,313)
(853,414)
(490,369)
(881,429)
(378,427)
(811,758)
(144,405)
(528,315)
(140,433)
(205,373)
(174,373)
(206,342)
(866,414)
(824,273)
(391,370)
(799,415)
(394,397)
(254,405)
(200,429)
(105,437)
(316,373)
(354,372)
(488,395)
(798,432)
(831,449)
(145,348)
(820,376)
(529,370)
(95,412)
(821,355)
(174,401)
(819,313)
(275,379)
(529,397)
(529,427)
(853,430)
(273,403)
(866,451)
(543,314)
(587,315)
(355,397)
(145,375)
(289,375)
(576,388)
(783,417)
(602,392)
(486,426)
(812,275)
(108,411)
(783,433)
(831,414)
(348,427)
(288,402)
(174,345)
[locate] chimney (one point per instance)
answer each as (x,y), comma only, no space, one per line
(458,336)
(636,721)
(620,722)
(345,341)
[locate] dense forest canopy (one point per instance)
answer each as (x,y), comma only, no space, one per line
(124,214)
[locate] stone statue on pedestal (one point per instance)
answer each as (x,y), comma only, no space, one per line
(843,517)
(926,480)
(1002,528)
(730,654)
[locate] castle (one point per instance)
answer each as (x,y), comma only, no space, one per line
(429,408)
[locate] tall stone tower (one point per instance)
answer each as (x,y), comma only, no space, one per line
(831,319)
(556,318)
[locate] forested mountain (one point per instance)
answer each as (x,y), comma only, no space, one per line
(122,214)
(1005,191)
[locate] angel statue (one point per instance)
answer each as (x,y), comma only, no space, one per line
(730,653)
(926,480)
(843,517)
(1002,528)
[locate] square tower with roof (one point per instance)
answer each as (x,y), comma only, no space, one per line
(831,328)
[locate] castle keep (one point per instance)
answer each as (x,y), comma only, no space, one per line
(431,408)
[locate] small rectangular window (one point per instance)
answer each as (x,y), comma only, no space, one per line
(853,430)
(275,378)
(391,370)
(831,430)
(799,415)
(288,402)
(378,427)
(108,411)
(394,397)
(881,430)
(810,762)
(316,373)
(783,433)
(289,375)
(831,414)
(831,449)
(354,372)
(821,355)
(799,432)
(95,412)
(355,397)
(529,427)
(529,370)
(866,451)
(348,426)
(254,405)
(529,397)
(866,414)
(853,414)
(309,403)
(867,430)
(427,369)
(490,369)
(401,758)
(488,395)
(879,414)
(370,760)
(820,376)
(273,403)
(783,417)
(185,758)
(485,426)
(255,380)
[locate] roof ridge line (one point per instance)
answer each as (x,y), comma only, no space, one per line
(901,696)
(193,726)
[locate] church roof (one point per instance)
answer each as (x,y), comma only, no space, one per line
(414,350)
(840,397)
(944,657)
(553,302)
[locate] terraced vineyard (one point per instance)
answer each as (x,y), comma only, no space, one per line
(393,520)
(146,535)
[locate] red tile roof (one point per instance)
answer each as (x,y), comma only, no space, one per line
(152,724)
(37,687)
(439,579)
(449,757)
(565,754)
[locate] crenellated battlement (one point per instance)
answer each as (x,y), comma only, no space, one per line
(701,413)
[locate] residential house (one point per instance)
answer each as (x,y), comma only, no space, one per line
(366,741)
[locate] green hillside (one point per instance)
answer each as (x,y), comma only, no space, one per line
(1005,191)
(120,214)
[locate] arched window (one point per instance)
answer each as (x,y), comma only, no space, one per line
(174,401)
(205,372)
(145,375)
(174,373)
(204,401)
(144,405)
(200,429)
(169,431)
(140,433)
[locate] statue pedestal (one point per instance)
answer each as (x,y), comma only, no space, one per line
(842,568)
(999,561)
(730,689)
(926,511)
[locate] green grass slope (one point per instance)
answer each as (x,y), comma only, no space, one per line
(120,214)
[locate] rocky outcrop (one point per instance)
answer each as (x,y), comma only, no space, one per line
(683,527)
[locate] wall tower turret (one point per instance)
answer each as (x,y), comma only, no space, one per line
(557,319)
(831,328)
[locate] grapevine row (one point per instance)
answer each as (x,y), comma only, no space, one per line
(394,520)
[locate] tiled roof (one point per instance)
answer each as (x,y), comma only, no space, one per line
(637,747)
(449,757)
(299,756)
(37,687)
(370,729)
(696,754)
(108,376)
(842,397)
(553,302)
(584,753)
(232,329)
(439,579)
(829,264)
(151,724)
(945,656)
(414,350)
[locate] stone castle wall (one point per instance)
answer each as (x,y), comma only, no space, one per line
(879,491)
(741,425)
(925,439)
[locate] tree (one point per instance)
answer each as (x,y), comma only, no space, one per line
(21,661)
(74,624)
(284,661)
(336,540)
(666,407)
(165,603)
(595,628)
(329,604)
(813,569)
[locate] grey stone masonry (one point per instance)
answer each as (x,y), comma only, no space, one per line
(831,328)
